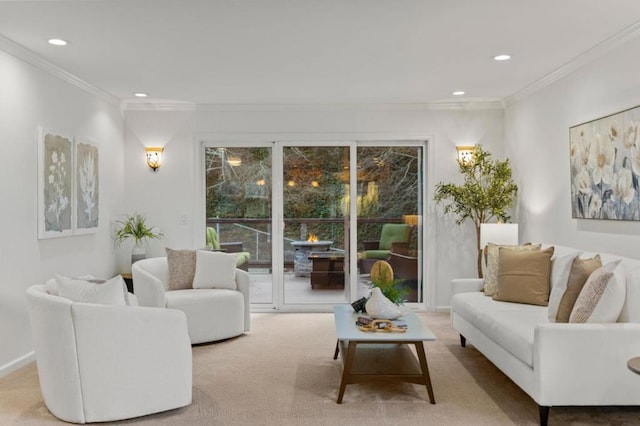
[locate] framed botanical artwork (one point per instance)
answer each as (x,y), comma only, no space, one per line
(605,167)
(86,200)
(55,184)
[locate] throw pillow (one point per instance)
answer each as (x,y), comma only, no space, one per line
(524,276)
(602,296)
(560,271)
(182,268)
(112,292)
(581,269)
(215,269)
(493,253)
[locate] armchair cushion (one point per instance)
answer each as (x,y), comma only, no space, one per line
(182,267)
(215,270)
(112,292)
(392,232)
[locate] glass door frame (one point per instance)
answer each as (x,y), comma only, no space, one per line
(427,272)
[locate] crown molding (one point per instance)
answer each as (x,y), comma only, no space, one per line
(578,62)
(28,56)
(155,105)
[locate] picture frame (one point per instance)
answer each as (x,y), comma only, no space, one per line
(605,167)
(55,184)
(86,202)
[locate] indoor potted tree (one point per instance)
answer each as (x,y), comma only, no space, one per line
(487,192)
(134,227)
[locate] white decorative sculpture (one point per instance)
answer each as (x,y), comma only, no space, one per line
(378,306)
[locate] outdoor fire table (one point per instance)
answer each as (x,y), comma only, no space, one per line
(302,265)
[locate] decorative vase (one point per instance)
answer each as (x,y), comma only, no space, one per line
(139,251)
(378,306)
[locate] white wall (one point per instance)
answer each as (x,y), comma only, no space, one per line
(537,141)
(30,97)
(172,192)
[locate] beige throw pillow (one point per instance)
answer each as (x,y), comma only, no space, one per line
(602,297)
(182,268)
(524,276)
(560,270)
(492,258)
(112,292)
(581,269)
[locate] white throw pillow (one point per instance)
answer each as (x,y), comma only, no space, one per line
(112,292)
(602,297)
(560,270)
(215,269)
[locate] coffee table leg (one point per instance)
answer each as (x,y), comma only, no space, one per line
(425,370)
(346,372)
(335,354)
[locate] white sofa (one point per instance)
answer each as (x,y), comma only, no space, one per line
(212,314)
(556,364)
(100,363)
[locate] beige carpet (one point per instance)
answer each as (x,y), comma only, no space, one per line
(283,373)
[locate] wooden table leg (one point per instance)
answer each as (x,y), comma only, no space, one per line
(346,372)
(425,370)
(335,354)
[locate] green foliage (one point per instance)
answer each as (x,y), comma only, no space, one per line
(487,192)
(388,286)
(134,226)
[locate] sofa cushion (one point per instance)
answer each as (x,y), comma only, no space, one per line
(511,325)
(602,296)
(112,292)
(215,269)
(560,271)
(580,271)
(182,268)
(492,259)
(524,276)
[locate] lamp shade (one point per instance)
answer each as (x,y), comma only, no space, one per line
(498,233)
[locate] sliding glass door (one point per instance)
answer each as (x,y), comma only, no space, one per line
(314,217)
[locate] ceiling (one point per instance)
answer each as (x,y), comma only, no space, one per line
(316,51)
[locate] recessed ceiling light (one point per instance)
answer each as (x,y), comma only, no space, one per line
(458,93)
(140,95)
(502,57)
(58,42)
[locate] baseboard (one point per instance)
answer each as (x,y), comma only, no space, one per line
(446,309)
(17,363)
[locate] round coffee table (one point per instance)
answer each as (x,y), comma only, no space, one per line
(634,364)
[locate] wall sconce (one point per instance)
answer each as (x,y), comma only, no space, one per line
(465,154)
(154,157)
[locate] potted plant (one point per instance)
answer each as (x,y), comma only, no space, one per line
(487,192)
(134,227)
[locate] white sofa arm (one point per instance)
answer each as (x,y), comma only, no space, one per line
(242,282)
(586,364)
(132,360)
(466,285)
(148,289)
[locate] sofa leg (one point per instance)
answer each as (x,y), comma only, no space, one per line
(544,414)
(463,341)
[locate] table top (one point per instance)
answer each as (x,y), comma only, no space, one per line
(634,364)
(346,329)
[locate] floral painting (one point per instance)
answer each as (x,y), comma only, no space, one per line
(87,184)
(605,167)
(55,175)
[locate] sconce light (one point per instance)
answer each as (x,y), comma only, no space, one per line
(154,157)
(465,154)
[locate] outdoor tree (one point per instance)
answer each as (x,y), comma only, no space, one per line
(487,192)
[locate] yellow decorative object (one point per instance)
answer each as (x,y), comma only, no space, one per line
(382,274)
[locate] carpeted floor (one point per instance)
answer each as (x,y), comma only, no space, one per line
(283,373)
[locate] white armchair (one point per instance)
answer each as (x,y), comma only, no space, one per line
(100,363)
(212,314)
